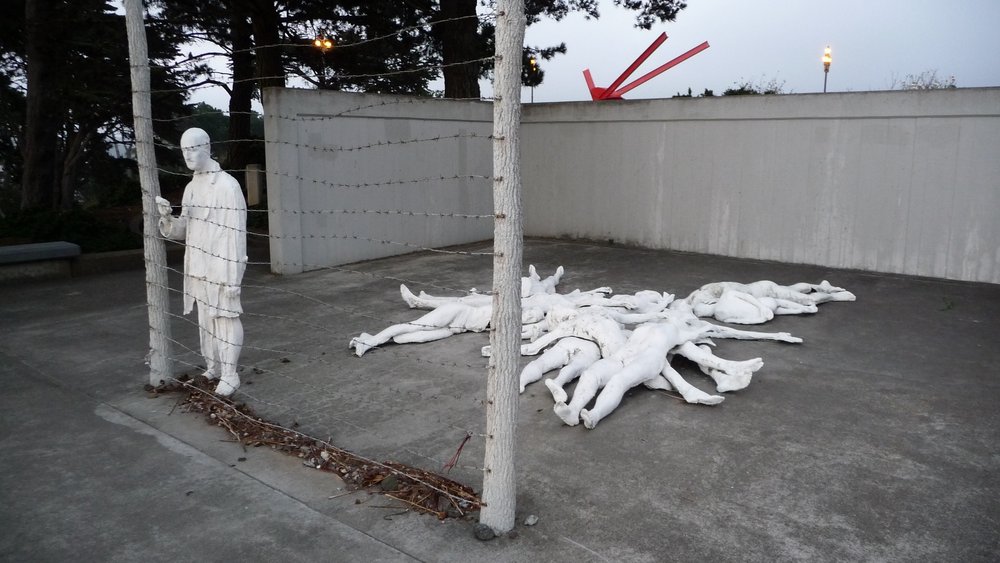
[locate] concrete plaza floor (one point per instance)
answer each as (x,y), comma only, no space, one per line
(878,438)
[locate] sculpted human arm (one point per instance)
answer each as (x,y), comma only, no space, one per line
(171,227)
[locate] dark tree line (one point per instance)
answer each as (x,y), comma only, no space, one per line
(65,95)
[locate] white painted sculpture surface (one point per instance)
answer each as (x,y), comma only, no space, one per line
(212,223)
(571,354)
(446,320)
(583,334)
(643,360)
(534,284)
(758,302)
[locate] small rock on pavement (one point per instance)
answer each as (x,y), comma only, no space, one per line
(390,483)
(483,532)
(531,520)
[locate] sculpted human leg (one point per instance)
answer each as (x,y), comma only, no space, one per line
(554,357)
(229,343)
(543,341)
(736,334)
(690,393)
(427,301)
(208,342)
(426,335)
(643,367)
(785,307)
(728,375)
(587,354)
(436,319)
(593,378)
(423,301)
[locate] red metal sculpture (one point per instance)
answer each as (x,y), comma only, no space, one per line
(613,92)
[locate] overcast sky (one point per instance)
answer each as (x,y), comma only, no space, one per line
(873,43)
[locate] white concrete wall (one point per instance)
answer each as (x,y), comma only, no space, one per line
(315,198)
(904,182)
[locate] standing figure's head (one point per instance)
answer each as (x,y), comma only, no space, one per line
(195,146)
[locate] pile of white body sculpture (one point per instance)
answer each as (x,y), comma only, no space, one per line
(614,343)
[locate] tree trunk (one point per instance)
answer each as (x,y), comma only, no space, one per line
(242,90)
(266,36)
(154,251)
(499,480)
(75,145)
(40,126)
(459,43)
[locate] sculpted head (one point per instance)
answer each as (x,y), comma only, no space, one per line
(196,148)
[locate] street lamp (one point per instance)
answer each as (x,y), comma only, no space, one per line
(324,44)
(533,70)
(827,59)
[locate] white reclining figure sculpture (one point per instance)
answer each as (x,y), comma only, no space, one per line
(534,284)
(801,293)
(643,359)
(758,302)
(599,324)
(602,327)
(626,309)
(576,298)
(531,285)
(442,322)
(541,301)
(684,310)
(426,301)
(645,301)
(571,354)
(676,332)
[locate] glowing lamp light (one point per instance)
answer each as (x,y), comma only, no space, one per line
(827,59)
(323,43)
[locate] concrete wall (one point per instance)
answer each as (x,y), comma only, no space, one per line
(330,206)
(905,182)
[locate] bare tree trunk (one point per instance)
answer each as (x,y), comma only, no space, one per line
(38,180)
(499,487)
(459,43)
(160,353)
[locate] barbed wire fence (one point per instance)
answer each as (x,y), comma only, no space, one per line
(295,368)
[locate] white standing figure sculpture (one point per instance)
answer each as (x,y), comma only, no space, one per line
(213,225)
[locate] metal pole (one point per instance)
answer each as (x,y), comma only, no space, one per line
(826,72)
(499,488)
(160,363)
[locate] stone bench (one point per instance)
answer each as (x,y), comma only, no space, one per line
(37,260)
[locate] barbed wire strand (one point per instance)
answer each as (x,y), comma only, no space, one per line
(311,45)
(335,149)
(339,76)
